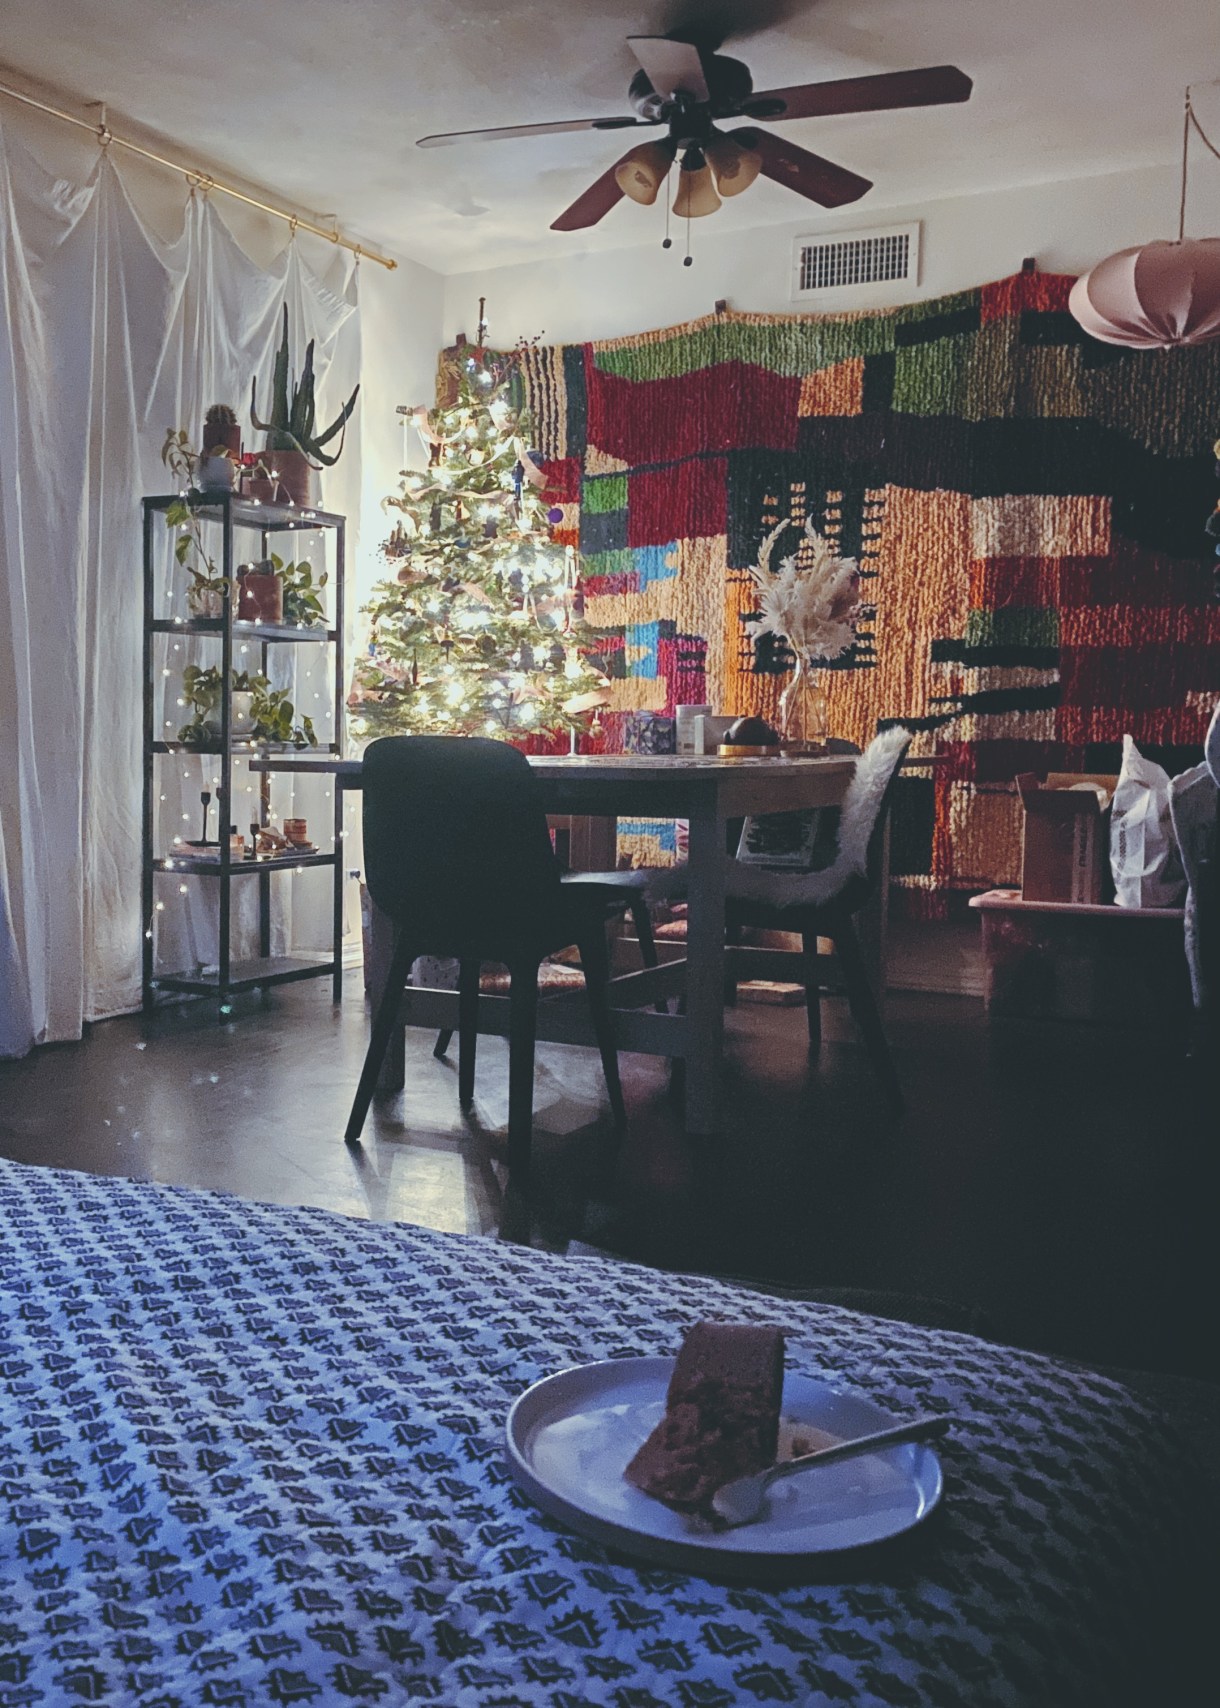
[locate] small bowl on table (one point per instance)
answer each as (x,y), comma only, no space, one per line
(750,738)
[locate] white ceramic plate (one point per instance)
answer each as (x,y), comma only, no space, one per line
(570,1436)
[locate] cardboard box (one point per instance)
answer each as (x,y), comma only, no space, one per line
(1061,961)
(1065,840)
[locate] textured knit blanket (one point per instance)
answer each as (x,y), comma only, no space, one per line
(255,1455)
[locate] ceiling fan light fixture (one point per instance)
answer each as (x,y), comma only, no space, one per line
(735,167)
(641,173)
(696,188)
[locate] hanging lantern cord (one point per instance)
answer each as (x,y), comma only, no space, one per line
(1190,118)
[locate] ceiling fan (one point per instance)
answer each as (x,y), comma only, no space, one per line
(687,88)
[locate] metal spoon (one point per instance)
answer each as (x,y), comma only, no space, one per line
(744,1500)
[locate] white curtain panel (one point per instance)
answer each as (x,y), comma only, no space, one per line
(108,336)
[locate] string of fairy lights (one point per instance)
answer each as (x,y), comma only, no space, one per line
(477,628)
(201,767)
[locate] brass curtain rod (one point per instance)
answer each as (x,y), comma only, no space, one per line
(198,180)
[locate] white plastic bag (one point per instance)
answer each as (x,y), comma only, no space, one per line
(1143,849)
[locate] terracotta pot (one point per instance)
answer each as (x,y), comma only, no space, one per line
(226,438)
(260,596)
(291,479)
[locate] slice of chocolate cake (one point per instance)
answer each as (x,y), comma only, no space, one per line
(721,1415)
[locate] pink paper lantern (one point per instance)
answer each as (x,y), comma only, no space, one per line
(1154,297)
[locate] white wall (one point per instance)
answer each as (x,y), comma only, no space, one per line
(967,241)
(401,332)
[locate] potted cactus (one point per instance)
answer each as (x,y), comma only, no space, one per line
(220,430)
(294,447)
(220,458)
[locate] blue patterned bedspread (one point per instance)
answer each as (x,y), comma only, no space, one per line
(253,1455)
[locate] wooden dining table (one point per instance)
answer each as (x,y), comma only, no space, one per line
(704,790)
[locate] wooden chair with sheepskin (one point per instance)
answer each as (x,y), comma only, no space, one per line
(824,904)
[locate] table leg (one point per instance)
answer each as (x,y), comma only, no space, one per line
(705,974)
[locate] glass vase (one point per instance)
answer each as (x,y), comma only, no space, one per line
(804,711)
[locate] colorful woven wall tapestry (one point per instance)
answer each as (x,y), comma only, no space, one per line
(1027,507)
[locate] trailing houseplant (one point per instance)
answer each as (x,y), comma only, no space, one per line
(208,588)
(272,714)
(294,446)
(302,594)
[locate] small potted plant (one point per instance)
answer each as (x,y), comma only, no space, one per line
(260,593)
(275,717)
(221,431)
(302,595)
(201,690)
(293,447)
(257,710)
(220,457)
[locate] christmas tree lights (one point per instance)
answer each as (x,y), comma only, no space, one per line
(479,632)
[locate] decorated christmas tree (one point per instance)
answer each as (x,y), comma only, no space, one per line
(478,631)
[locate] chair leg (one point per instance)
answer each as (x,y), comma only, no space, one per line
(468,1029)
(642,920)
(522,1034)
(812,977)
(379,1042)
(677,1068)
(443,1040)
(595,964)
(865,1011)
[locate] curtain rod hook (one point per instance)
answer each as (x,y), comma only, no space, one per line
(104,134)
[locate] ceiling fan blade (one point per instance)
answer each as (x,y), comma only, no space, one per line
(933,86)
(443,138)
(594,203)
(797,169)
(670,66)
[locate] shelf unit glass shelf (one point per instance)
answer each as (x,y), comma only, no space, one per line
(231,643)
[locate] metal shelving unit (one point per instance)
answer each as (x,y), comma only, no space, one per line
(234,515)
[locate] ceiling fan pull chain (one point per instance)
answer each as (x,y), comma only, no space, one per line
(667,242)
(688,260)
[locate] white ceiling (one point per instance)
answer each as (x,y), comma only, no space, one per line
(322,100)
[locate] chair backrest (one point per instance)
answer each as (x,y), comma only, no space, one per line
(868,806)
(456,847)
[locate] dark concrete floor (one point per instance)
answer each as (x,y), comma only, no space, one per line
(1057,1181)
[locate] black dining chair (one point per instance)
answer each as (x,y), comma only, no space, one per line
(458,855)
(620,893)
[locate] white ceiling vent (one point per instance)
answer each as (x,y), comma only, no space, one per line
(854,261)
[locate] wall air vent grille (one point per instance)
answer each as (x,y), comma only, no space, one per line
(855,260)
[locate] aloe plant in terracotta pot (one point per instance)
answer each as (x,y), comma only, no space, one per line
(294,446)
